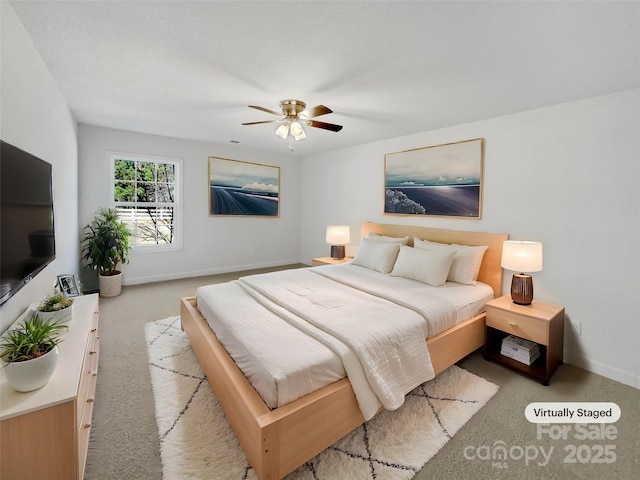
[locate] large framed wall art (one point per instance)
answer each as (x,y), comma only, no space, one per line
(442,180)
(238,188)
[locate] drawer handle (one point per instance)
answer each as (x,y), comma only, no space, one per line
(94,374)
(513,324)
(92,352)
(93,330)
(90,400)
(87,425)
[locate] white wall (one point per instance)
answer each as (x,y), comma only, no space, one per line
(566,175)
(36,118)
(210,244)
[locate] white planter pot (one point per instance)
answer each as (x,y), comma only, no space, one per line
(63,316)
(31,374)
(110,285)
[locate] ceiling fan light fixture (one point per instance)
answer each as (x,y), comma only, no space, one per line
(283,130)
(294,115)
(297,131)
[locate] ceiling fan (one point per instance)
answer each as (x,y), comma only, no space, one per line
(295,114)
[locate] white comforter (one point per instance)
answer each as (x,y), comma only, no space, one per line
(337,319)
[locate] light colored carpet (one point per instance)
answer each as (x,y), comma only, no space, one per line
(197,442)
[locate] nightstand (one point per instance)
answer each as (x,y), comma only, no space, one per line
(329,261)
(539,322)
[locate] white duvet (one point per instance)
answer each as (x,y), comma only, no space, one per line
(306,328)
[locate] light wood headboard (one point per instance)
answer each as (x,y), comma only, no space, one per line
(490,270)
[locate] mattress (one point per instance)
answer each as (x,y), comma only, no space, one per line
(284,362)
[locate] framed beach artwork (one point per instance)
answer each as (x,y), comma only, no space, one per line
(238,188)
(442,180)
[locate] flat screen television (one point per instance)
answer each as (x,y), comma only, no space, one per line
(26,225)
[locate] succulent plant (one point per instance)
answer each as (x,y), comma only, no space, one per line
(32,338)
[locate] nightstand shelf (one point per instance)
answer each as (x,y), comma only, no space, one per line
(539,322)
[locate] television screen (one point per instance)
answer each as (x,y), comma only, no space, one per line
(26,224)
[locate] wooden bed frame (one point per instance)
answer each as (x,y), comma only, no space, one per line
(278,441)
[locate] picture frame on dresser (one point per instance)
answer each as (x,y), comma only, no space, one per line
(68,285)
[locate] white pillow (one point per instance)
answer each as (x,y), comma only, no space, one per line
(379,256)
(383,238)
(428,245)
(466,263)
(426,266)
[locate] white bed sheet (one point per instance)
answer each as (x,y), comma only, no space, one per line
(291,363)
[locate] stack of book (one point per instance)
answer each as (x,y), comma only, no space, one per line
(524,351)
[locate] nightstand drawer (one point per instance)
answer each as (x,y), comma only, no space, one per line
(521,326)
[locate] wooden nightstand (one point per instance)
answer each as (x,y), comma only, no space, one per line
(329,261)
(539,322)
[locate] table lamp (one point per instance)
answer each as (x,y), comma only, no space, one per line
(338,236)
(522,256)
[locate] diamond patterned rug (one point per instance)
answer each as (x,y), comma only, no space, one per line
(197,442)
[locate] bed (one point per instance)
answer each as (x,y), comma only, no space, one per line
(278,440)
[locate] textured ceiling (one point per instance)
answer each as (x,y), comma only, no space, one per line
(386,68)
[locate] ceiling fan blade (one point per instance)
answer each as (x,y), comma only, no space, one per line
(316,111)
(264,121)
(266,110)
(326,126)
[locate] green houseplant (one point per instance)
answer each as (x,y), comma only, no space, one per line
(105,244)
(30,352)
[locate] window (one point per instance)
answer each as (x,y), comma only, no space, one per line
(146,195)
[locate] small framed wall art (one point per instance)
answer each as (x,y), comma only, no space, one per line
(238,188)
(441,180)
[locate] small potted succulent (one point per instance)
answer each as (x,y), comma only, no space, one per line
(29,352)
(56,307)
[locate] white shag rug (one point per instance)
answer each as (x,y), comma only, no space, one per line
(197,442)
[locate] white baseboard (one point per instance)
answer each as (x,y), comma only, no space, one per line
(628,378)
(128,280)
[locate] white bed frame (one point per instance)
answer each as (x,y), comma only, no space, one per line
(278,441)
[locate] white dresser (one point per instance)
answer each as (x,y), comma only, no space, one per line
(45,433)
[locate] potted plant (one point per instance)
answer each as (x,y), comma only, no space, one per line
(30,352)
(56,307)
(105,244)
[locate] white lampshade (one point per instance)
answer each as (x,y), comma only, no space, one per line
(522,256)
(338,235)
(283,130)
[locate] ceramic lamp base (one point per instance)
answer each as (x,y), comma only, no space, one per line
(337,252)
(522,289)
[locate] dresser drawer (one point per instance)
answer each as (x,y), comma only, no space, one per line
(89,373)
(519,325)
(84,431)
